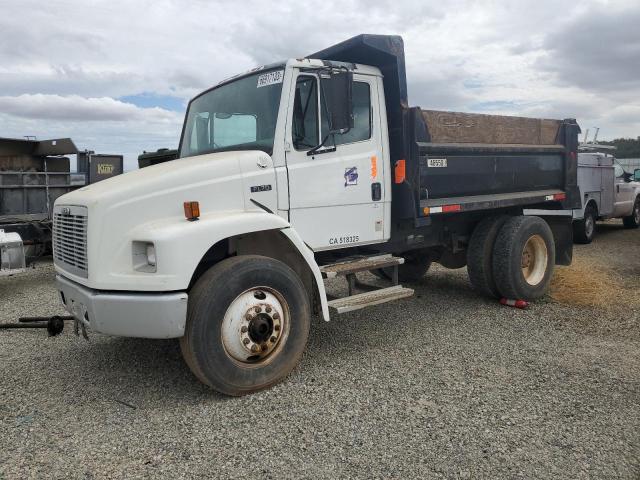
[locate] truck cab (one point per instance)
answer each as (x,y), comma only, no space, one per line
(302,171)
(332,186)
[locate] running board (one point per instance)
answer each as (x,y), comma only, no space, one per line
(362,264)
(367,299)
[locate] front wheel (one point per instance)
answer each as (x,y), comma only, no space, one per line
(247,324)
(633,220)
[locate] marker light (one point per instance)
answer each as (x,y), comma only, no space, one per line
(192,211)
(400,171)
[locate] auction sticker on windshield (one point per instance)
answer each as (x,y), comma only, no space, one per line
(270,78)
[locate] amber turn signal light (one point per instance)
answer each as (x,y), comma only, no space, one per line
(192,210)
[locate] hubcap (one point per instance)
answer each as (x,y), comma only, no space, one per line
(589,225)
(534,260)
(255,325)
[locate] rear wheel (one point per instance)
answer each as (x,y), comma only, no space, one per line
(523,258)
(633,220)
(247,324)
(584,230)
(480,254)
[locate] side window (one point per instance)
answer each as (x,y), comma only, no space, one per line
(305,114)
(361,117)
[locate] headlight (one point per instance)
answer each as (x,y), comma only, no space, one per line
(144,257)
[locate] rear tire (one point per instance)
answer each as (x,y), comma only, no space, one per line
(523,258)
(633,220)
(480,255)
(247,324)
(584,230)
(415,266)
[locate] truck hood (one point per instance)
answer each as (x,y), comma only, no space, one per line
(204,175)
(129,207)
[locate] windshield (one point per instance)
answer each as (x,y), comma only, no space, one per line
(240,115)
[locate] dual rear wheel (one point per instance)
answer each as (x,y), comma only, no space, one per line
(511,257)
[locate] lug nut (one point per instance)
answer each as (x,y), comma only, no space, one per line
(273,339)
(255,348)
(248,316)
(276,328)
(244,329)
(258,309)
(276,316)
(264,348)
(246,341)
(268,309)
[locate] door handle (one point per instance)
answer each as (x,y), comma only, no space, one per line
(376,191)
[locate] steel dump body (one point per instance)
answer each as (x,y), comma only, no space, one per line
(463,155)
(491,161)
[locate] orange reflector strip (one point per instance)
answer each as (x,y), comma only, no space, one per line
(426,210)
(400,171)
(560,196)
(191,210)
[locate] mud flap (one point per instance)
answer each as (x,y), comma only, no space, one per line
(562,229)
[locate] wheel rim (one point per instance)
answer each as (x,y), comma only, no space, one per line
(534,260)
(255,326)
(589,225)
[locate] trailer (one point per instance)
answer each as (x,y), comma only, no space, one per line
(306,170)
(33,175)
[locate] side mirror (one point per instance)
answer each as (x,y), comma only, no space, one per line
(636,175)
(337,89)
(627,177)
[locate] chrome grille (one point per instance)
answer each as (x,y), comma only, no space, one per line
(70,239)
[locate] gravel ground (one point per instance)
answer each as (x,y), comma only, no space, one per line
(447,385)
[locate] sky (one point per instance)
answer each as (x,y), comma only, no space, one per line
(116,75)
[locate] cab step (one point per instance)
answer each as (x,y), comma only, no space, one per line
(367,299)
(360,264)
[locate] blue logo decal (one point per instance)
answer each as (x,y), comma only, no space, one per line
(350,176)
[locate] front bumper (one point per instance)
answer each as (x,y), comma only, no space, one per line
(125,314)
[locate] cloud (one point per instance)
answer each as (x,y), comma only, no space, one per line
(598,50)
(75,108)
(94,70)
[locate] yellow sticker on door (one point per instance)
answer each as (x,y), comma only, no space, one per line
(374,167)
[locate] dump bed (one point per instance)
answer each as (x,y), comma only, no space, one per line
(477,161)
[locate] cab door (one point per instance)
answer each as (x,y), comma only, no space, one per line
(623,192)
(336,195)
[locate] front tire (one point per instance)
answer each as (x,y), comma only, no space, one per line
(247,324)
(633,220)
(523,258)
(584,230)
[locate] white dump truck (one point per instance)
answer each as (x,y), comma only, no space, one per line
(304,170)
(606,191)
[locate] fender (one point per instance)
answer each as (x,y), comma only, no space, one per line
(307,254)
(181,244)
